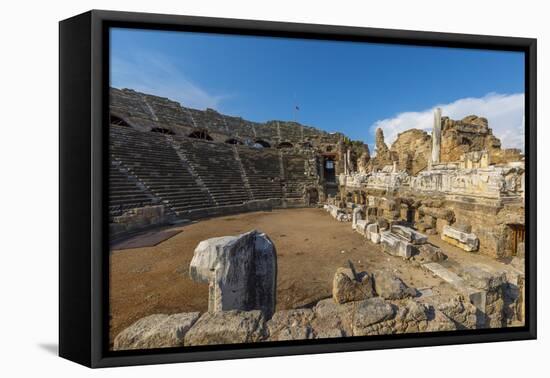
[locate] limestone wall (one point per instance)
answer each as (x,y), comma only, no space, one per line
(490,182)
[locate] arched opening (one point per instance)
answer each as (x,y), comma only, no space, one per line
(285,145)
(200,134)
(328,149)
(162,130)
(118,121)
(312,196)
(261,144)
(233,141)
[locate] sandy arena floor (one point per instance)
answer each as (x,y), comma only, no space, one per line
(310,244)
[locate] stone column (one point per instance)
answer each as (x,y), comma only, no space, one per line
(241,272)
(436,137)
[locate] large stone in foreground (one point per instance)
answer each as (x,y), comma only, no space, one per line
(241,272)
(291,325)
(482,279)
(332,319)
(389,286)
(156,331)
(227,327)
(463,240)
(348,288)
(370,312)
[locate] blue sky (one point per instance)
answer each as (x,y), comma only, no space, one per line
(338,86)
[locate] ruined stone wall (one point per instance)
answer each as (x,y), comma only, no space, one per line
(490,182)
(412,150)
(472,133)
(145,112)
(490,223)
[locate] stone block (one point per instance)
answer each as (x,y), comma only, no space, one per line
(361,227)
(227,327)
(369,312)
(429,253)
(389,286)
(395,245)
(156,331)
(410,235)
(465,241)
(347,287)
(357,215)
(482,279)
(241,272)
(291,325)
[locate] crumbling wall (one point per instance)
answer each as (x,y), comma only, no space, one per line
(472,133)
(412,150)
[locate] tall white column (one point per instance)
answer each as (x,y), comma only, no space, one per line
(436,137)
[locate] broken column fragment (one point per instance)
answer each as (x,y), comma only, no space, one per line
(407,233)
(466,241)
(436,137)
(241,272)
(357,214)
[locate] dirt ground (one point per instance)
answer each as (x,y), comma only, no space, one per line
(310,244)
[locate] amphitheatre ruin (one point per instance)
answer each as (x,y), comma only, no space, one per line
(226,231)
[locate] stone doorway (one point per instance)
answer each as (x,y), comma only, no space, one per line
(328,170)
(516,238)
(312,196)
(410,215)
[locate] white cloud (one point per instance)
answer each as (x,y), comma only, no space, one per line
(152,73)
(505,113)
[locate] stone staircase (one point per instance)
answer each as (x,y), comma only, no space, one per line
(186,174)
(125,191)
(295,175)
(215,164)
(151,158)
(262,170)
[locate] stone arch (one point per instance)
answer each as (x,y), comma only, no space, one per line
(312,196)
(162,130)
(200,134)
(119,121)
(233,141)
(285,145)
(261,143)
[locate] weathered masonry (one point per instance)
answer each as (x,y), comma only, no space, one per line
(169,162)
(468,190)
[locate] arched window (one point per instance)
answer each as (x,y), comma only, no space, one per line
(284,145)
(200,134)
(261,144)
(328,149)
(233,141)
(162,130)
(118,121)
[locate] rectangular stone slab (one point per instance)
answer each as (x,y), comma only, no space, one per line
(462,240)
(395,245)
(412,236)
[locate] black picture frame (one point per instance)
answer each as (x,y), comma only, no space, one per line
(83,231)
